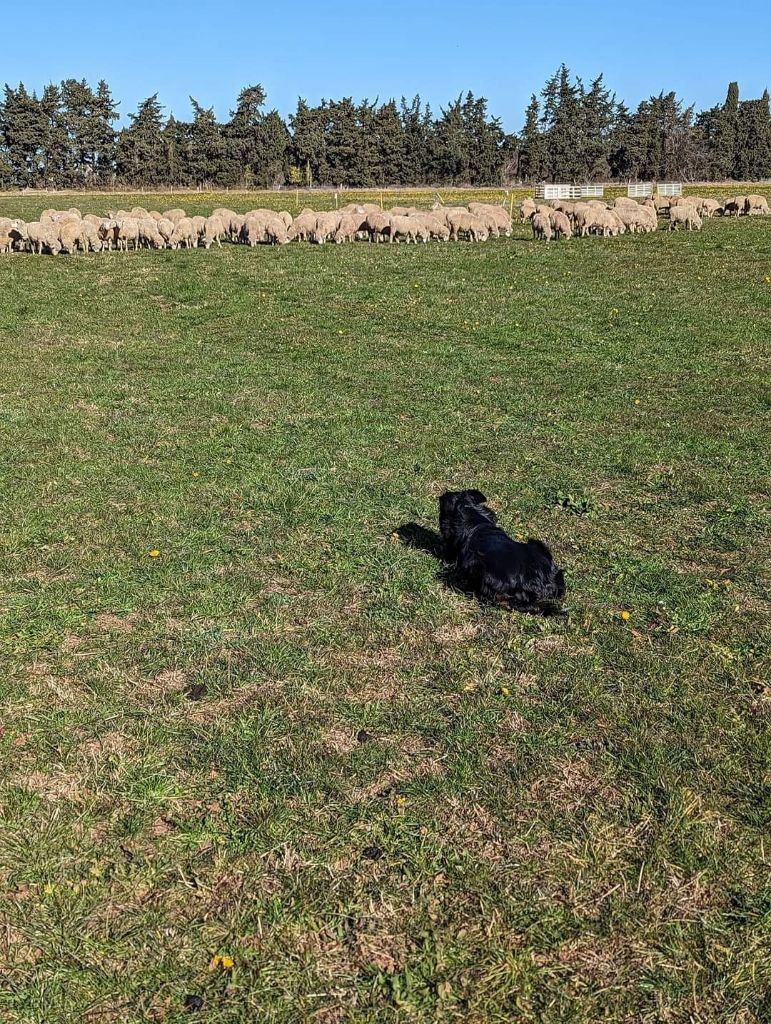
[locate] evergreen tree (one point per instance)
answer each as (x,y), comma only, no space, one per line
(752,160)
(205,158)
(309,142)
(22,130)
(87,118)
(532,149)
(416,128)
(390,141)
(141,156)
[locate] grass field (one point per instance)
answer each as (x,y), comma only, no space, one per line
(280,765)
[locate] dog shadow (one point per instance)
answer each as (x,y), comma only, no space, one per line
(413,535)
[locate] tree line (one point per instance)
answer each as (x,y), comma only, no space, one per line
(67,137)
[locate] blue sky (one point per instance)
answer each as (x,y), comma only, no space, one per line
(501,50)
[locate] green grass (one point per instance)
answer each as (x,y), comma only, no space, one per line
(285,740)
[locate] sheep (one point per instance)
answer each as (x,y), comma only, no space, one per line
(174,215)
(302,226)
(275,230)
(326,226)
(286,217)
(348,228)
(541,224)
(149,234)
(108,232)
(412,229)
(139,212)
(580,218)
(90,236)
(199,223)
(600,221)
(662,203)
(487,218)
(42,235)
(560,225)
(5,234)
(735,206)
(18,234)
(128,231)
(757,206)
(684,213)
(184,234)
(709,207)
(436,228)
(71,235)
(526,210)
(165,229)
(214,229)
(463,222)
(378,225)
(253,229)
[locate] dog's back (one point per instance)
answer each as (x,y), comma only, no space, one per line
(522,575)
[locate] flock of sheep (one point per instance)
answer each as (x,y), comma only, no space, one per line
(68,231)
(559,219)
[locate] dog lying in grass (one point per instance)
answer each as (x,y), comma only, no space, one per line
(501,570)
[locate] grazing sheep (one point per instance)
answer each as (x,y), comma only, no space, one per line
(287,218)
(757,206)
(709,207)
(199,223)
(139,212)
(214,229)
(275,230)
(560,225)
(488,218)
(302,226)
(18,234)
(128,231)
(149,234)
(174,215)
(436,228)
(735,206)
(464,223)
(326,226)
(184,234)
(71,235)
(685,214)
(165,229)
(91,237)
(42,235)
(378,225)
(348,229)
(526,210)
(541,224)
(411,229)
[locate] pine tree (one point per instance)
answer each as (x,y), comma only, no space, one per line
(141,153)
(390,141)
(204,162)
(309,142)
(416,127)
(753,140)
(532,155)
(22,130)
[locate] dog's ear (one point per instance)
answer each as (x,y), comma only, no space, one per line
(476,497)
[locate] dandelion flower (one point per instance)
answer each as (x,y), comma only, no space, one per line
(505,691)
(196,474)
(221,963)
(626,616)
(154,553)
(637,401)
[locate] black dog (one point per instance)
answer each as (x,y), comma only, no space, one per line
(522,576)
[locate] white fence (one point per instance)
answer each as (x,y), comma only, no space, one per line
(640,190)
(670,188)
(569,191)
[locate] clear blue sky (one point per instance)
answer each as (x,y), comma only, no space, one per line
(504,51)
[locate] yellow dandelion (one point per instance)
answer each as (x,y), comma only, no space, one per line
(637,401)
(626,616)
(504,691)
(228,462)
(154,553)
(221,963)
(196,474)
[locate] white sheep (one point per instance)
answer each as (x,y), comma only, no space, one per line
(541,224)
(685,214)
